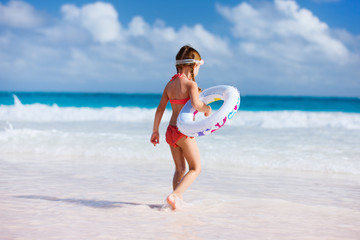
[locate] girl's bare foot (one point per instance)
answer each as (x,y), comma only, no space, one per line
(171,200)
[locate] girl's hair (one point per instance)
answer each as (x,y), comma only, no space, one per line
(188,52)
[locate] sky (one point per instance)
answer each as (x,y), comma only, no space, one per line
(268,47)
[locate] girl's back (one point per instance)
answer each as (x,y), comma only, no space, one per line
(178,93)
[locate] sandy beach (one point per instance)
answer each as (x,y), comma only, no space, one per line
(71,200)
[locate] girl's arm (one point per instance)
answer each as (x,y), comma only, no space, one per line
(195,101)
(158,115)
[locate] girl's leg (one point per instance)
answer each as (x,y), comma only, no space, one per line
(180,167)
(192,155)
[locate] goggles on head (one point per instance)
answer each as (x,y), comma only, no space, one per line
(187,61)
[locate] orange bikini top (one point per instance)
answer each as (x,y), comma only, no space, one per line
(178,101)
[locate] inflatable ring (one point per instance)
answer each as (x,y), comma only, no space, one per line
(191,128)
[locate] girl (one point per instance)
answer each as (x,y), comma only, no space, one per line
(181,88)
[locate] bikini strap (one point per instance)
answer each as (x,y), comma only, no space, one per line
(177,75)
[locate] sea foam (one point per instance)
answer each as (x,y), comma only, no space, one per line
(261,119)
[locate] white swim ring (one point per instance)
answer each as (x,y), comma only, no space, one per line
(231,97)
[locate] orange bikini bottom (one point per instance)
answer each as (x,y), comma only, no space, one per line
(173,135)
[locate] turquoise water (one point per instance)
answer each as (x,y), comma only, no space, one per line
(248,103)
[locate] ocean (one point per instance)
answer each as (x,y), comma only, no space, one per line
(81,166)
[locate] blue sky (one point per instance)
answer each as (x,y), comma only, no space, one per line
(274,47)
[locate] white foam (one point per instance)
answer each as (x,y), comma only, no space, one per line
(44,113)
(297,119)
(261,119)
(329,150)
(286,140)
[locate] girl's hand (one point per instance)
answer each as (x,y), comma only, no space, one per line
(155,138)
(208,111)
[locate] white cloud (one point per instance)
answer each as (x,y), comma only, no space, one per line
(138,27)
(159,35)
(281,28)
(206,39)
(302,23)
(71,12)
(100,19)
(248,22)
(19,14)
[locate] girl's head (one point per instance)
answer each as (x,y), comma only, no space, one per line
(188,57)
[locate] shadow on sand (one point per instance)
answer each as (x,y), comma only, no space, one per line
(92,203)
